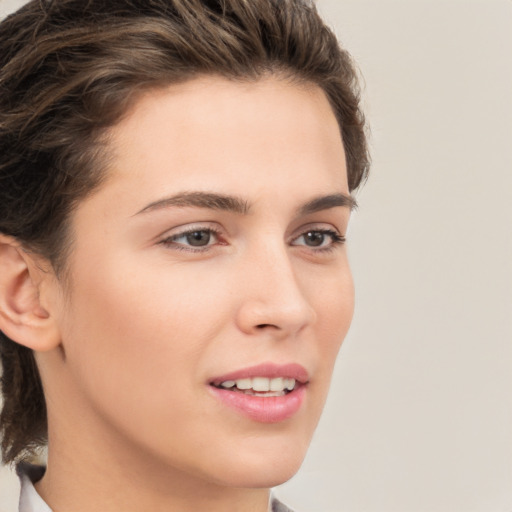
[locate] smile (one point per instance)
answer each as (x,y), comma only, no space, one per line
(261,386)
(266,393)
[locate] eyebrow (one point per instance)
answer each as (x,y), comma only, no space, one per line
(214,201)
(208,200)
(325,202)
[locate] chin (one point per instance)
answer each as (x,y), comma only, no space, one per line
(263,477)
(264,469)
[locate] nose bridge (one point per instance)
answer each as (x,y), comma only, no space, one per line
(272,295)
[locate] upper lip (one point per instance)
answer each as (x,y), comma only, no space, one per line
(270,370)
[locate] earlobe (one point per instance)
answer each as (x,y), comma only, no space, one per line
(23,318)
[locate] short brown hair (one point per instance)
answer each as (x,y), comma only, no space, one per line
(70,69)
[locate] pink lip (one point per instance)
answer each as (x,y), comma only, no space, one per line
(264,409)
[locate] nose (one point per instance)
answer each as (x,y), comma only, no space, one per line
(272,298)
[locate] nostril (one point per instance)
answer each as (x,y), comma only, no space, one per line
(263,326)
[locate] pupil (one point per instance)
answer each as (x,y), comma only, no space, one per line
(198,238)
(314,238)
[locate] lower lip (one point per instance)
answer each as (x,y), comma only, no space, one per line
(264,409)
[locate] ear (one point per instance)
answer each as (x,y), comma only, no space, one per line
(23,317)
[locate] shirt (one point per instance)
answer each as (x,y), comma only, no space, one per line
(30,501)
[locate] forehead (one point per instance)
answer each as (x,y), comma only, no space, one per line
(213,125)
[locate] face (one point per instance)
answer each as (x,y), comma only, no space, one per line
(211,259)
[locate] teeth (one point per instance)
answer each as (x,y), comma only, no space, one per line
(289,384)
(277,384)
(244,383)
(261,384)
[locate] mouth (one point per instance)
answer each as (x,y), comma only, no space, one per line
(265,393)
(260,386)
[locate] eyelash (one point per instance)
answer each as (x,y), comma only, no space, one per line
(171,240)
(336,240)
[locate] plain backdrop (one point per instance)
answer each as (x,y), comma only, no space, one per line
(420,414)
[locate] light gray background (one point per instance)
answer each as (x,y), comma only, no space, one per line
(420,414)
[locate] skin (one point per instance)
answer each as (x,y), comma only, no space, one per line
(143,325)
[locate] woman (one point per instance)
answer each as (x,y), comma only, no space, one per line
(176,183)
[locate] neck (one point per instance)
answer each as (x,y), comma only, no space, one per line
(94,472)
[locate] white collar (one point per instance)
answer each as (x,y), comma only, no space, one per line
(30,501)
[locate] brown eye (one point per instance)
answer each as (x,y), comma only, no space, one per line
(314,238)
(198,238)
(322,239)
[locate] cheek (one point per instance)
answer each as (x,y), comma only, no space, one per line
(134,348)
(335,309)
(143,329)
(130,335)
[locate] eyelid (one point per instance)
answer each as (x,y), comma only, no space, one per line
(314,226)
(337,238)
(188,227)
(170,236)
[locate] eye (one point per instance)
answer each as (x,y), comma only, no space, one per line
(192,239)
(319,239)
